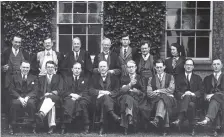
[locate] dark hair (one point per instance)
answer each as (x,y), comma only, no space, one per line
(24,61)
(159,61)
(216,59)
(51,62)
(189,59)
(17,37)
(143,42)
(125,34)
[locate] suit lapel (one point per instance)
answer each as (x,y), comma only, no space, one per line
(213,80)
(219,80)
(178,61)
(122,53)
(29,79)
(108,81)
(129,52)
(101,82)
(19,77)
(72,57)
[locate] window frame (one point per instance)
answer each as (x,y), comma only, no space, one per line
(86,24)
(197,60)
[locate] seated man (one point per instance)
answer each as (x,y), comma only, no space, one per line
(160,97)
(188,92)
(214,95)
(76,98)
(132,92)
(51,87)
(105,86)
(23,92)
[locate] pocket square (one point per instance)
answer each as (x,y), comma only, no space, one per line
(82,82)
(32,83)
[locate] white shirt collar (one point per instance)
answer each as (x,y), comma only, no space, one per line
(14,50)
(132,76)
(125,48)
(25,75)
(189,75)
(145,57)
(103,75)
(50,51)
(76,52)
(76,76)
(161,75)
(218,74)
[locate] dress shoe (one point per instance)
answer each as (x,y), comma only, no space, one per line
(203,123)
(155,122)
(176,123)
(115,116)
(165,131)
(34,131)
(51,130)
(214,133)
(39,117)
(192,132)
(125,131)
(101,131)
(62,131)
(11,132)
(86,130)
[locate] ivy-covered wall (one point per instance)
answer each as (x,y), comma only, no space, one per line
(140,19)
(32,21)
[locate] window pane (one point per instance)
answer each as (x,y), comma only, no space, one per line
(94,29)
(202,33)
(204,4)
(173,19)
(94,18)
(65,18)
(171,40)
(188,33)
(202,47)
(94,7)
(65,7)
(188,4)
(173,4)
(65,43)
(79,29)
(79,18)
(83,40)
(173,33)
(65,29)
(94,42)
(188,43)
(188,19)
(203,19)
(79,8)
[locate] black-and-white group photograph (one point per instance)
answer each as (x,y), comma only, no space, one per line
(112,68)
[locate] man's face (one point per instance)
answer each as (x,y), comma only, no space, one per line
(131,67)
(106,45)
(76,45)
(50,68)
(48,44)
(125,41)
(103,67)
(160,68)
(76,69)
(217,65)
(16,43)
(25,68)
(145,49)
(189,66)
(174,51)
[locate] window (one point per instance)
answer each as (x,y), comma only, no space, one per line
(81,19)
(189,23)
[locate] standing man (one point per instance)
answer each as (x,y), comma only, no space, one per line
(188,93)
(23,92)
(76,98)
(160,97)
(214,96)
(145,61)
(39,60)
(51,87)
(110,57)
(11,60)
(125,53)
(77,55)
(104,87)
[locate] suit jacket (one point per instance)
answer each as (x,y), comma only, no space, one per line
(132,54)
(5,56)
(84,59)
(182,85)
(82,88)
(112,61)
(56,84)
(96,84)
(35,63)
(179,69)
(15,88)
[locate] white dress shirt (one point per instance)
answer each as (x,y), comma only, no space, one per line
(14,51)
(145,57)
(189,75)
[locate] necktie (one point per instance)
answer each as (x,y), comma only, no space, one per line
(76,83)
(76,56)
(24,84)
(174,62)
(48,53)
(125,53)
(16,52)
(49,79)
(188,81)
(160,77)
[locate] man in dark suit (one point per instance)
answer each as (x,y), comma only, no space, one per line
(77,55)
(11,59)
(132,92)
(76,98)
(50,90)
(110,57)
(23,92)
(38,61)
(125,53)
(188,93)
(104,87)
(214,96)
